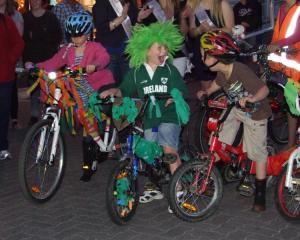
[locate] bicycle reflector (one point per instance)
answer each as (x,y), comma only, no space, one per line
(212,124)
(52,75)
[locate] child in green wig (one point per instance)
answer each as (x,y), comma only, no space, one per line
(149,49)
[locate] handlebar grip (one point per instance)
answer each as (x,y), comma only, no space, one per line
(249,105)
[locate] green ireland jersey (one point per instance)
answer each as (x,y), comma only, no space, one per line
(165,78)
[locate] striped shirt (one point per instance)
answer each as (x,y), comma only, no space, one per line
(84,89)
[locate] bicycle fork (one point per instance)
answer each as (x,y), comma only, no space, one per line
(289,180)
(55,115)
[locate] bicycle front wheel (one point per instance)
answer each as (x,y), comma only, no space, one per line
(288,201)
(186,200)
(122,195)
(39,177)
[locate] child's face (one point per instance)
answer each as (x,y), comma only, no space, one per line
(209,60)
(157,54)
(79,41)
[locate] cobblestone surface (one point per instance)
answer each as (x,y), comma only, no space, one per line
(78,210)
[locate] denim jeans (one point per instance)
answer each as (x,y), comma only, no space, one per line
(5,105)
(118,66)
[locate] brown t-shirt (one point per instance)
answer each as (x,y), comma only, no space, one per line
(241,83)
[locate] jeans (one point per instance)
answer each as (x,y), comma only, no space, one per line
(5,105)
(118,66)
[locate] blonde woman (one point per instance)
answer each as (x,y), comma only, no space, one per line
(203,16)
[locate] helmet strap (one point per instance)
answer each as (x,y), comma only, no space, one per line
(214,64)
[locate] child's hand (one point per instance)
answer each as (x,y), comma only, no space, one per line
(29,65)
(90,68)
(169,101)
(244,100)
(273,48)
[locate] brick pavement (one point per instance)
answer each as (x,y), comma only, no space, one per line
(78,211)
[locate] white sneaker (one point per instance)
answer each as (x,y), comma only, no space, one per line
(4,154)
(170,210)
(179,196)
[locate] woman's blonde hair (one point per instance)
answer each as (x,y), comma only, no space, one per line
(164,3)
(215,9)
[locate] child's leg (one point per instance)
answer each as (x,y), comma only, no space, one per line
(177,162)
(152,189)
(89,162)
(168,137)
(255,143)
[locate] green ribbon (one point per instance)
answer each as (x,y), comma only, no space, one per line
(182,108)
(291,94)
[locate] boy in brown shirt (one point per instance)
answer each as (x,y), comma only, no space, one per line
(219,52)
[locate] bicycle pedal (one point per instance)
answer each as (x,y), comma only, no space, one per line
(246,190)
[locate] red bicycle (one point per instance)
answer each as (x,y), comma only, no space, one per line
(196,187)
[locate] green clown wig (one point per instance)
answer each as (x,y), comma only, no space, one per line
(143,37)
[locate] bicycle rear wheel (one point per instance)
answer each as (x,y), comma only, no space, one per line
(186,201)
(287,201)
(39,179)
(122,195)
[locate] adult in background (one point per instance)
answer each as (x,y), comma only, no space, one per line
(249,14)
(62,11)
(287,33)
(207,15)
(8,7)
(42,36)
(11,46)
(113,21)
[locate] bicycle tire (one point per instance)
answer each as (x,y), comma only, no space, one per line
(34,187)
(284,199)
(185,206)
(121,170)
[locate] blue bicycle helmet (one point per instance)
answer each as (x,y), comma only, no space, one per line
(78,24)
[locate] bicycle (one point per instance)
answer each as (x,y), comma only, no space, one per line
(201,188)
(201,183)
(42,159)
(122,193)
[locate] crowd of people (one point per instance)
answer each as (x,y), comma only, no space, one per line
(101,42)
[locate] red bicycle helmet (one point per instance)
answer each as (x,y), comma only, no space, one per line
(220,45)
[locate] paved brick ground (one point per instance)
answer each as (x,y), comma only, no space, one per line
(78,210)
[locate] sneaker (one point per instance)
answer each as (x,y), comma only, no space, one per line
(179,196)
(170,210)
(4,154)
(150,195)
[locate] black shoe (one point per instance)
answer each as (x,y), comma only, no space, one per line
(87,175)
